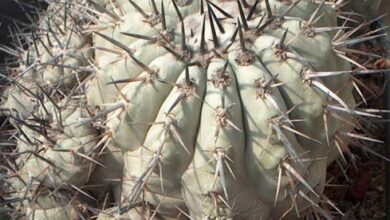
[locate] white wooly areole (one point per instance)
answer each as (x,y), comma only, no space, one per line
(183,109)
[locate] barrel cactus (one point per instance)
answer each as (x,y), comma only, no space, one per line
(181,109)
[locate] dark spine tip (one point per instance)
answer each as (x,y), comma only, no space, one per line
(201,10)
(232,39)
(187,77)
(252,11)
(241,36)
(154,7)
(177,10)
(245,4)
(202,38)
(163,18)
(220,27)
(139,9)
(220,9)
(213,32)
(265,25)
(183,37)
(283,39)
(268,7)
(242,16)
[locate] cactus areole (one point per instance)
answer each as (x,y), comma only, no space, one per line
(182,109)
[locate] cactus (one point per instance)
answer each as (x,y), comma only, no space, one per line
(182,109)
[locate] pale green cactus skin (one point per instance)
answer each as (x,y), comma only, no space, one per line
(50,207)
(183,124)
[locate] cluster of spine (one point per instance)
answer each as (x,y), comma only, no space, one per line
(183,109)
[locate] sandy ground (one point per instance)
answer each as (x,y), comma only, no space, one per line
(385,8)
